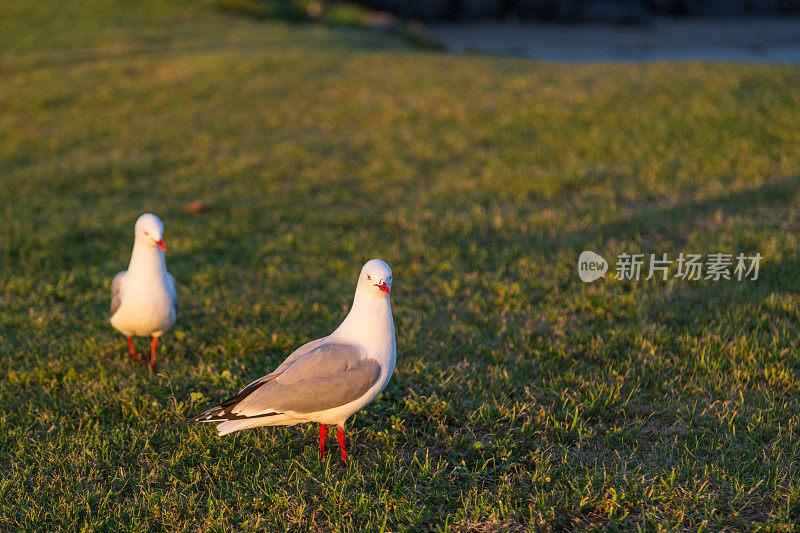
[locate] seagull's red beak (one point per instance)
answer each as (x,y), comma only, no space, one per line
(383,287)
(161,245)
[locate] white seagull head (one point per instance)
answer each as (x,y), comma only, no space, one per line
(150,230)
(376,279)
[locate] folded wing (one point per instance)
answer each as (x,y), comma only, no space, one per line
(116,287)
(329,376)
(172,288)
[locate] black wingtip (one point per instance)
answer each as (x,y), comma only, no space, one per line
(221,413)
(206,416)
(224,411)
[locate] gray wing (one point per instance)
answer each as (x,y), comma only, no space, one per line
(116,297)
(330,375)
(173,292)
(301,351)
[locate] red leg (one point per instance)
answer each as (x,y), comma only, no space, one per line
(153,354)
(340,434)
(133,351)
(323,431)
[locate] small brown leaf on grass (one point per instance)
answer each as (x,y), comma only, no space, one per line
(195,207)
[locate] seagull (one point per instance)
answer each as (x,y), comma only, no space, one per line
(144,298)
(326,380)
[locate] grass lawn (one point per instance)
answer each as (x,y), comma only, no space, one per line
(523,398)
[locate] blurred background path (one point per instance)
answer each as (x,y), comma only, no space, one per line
(772,40)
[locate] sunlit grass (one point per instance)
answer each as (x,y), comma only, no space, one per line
(523,398)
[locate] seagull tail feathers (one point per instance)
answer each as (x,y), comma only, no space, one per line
(230,426)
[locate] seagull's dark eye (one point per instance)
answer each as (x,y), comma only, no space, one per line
(369,277)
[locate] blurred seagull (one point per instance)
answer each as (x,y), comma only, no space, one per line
(326,380)
(144,299)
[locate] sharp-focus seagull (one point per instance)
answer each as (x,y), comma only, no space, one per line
(144,299)
(328,379)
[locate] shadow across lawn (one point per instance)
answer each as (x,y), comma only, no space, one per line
(653,224)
